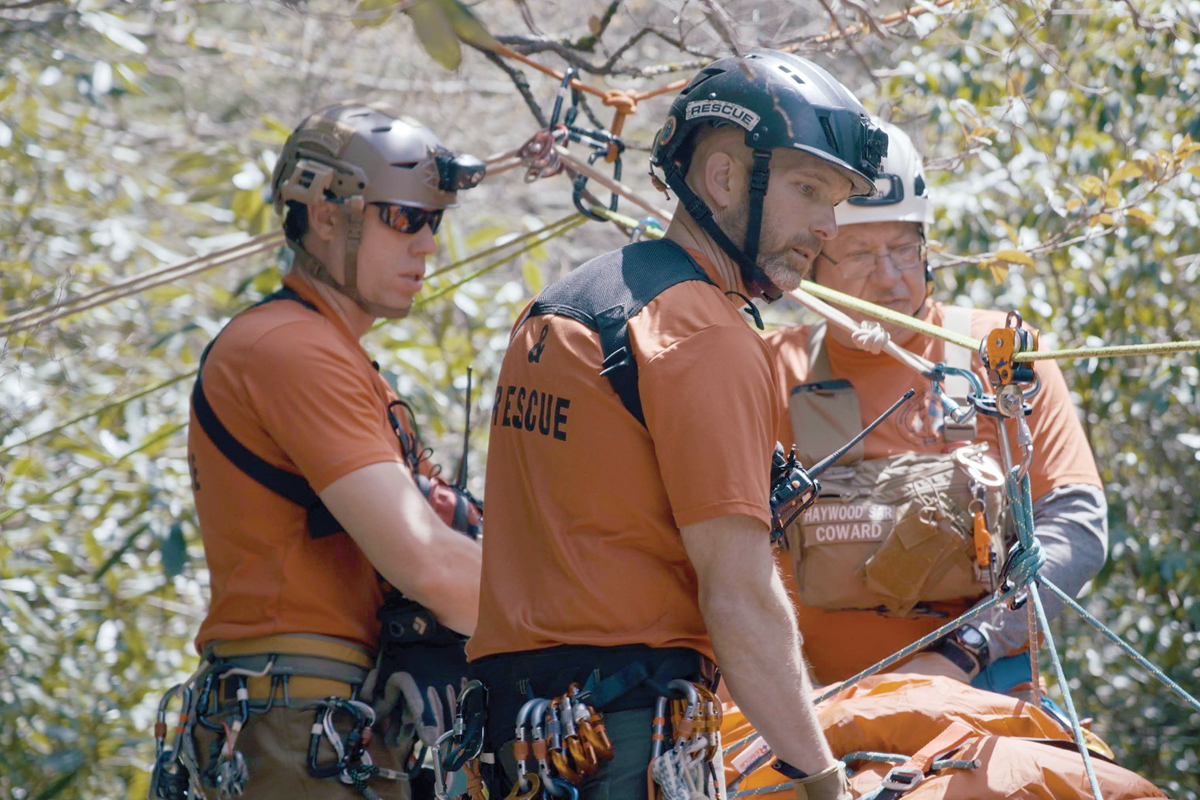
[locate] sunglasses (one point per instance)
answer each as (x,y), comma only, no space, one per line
(406,219)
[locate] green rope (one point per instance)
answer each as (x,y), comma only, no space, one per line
(44,496)
(578,220)
(97,411)
(496,248)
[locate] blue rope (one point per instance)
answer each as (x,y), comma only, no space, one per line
(919,644)
(1076,728)
(779,787)
(1141,660)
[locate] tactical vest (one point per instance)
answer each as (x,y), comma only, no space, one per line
(608,291)
(892,534)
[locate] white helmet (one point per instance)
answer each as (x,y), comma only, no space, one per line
(902,194)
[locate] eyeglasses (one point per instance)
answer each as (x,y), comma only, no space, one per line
(861,265)
(406,219)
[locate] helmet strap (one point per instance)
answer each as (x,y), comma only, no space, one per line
(760,175)
(699,211)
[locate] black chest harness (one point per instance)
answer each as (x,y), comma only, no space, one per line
(608,291)
(287,485)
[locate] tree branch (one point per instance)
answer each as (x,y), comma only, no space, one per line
(518,78)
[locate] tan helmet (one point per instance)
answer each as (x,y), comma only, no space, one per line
(355,154)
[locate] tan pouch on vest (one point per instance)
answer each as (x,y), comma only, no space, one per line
(887,534)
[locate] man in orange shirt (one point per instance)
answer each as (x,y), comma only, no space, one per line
(309,483)
(886,556)
(633,429)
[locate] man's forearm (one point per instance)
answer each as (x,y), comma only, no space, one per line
(754,636)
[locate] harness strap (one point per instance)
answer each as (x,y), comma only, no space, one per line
(905,777)
(608,291)
(288,485)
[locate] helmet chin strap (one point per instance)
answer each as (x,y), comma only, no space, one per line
(315,268)
(755,279)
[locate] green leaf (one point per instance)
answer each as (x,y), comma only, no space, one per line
(174,551)
(435,33)
(1014,257)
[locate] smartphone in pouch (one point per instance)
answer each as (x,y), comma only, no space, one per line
(825,415)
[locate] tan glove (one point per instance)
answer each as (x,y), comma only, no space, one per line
(829,784)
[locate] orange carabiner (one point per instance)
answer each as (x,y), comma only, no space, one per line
(591,727)
(558,755)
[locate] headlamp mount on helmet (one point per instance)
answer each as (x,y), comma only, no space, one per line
(456,173)
(780,101)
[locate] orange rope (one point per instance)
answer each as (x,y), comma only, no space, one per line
(622,101)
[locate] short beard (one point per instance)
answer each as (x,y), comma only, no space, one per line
(772,260)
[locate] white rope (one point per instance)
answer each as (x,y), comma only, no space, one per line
(869,335)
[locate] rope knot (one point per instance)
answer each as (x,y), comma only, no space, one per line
(870,336)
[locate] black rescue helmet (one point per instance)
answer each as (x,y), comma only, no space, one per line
(780,100)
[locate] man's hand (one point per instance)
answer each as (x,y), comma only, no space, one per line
(385,513)
(933,664)
(754,636)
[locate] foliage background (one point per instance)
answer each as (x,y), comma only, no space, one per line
(136,133)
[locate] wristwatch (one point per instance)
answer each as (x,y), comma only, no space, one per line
(966,648)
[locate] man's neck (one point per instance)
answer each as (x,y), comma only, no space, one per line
(357,321)
(685,232)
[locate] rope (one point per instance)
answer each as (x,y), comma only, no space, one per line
(919,644)
(97,411)
(1129,650)
(484,253)
(903,320)
(44,496)
(575,221)
(839,318)
(34,318)
(1149,348)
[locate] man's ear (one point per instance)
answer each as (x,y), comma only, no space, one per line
(722,180)
(323,220)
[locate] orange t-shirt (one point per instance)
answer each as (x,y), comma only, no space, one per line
(584,504)
(839,644)
(297,390)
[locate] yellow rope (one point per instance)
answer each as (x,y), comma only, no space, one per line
(579,220)
(879,312)
(912,323)
(1149,348)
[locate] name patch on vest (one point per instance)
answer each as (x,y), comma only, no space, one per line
(718,108)
(847,523)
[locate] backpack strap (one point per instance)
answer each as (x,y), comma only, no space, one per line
(608,291)
(287,485)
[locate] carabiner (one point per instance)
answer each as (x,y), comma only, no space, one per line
(581,184)
(582,754)
(558,753)
(687,722)
(521,748)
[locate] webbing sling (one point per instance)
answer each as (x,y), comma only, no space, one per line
(608,291)
(287,485)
